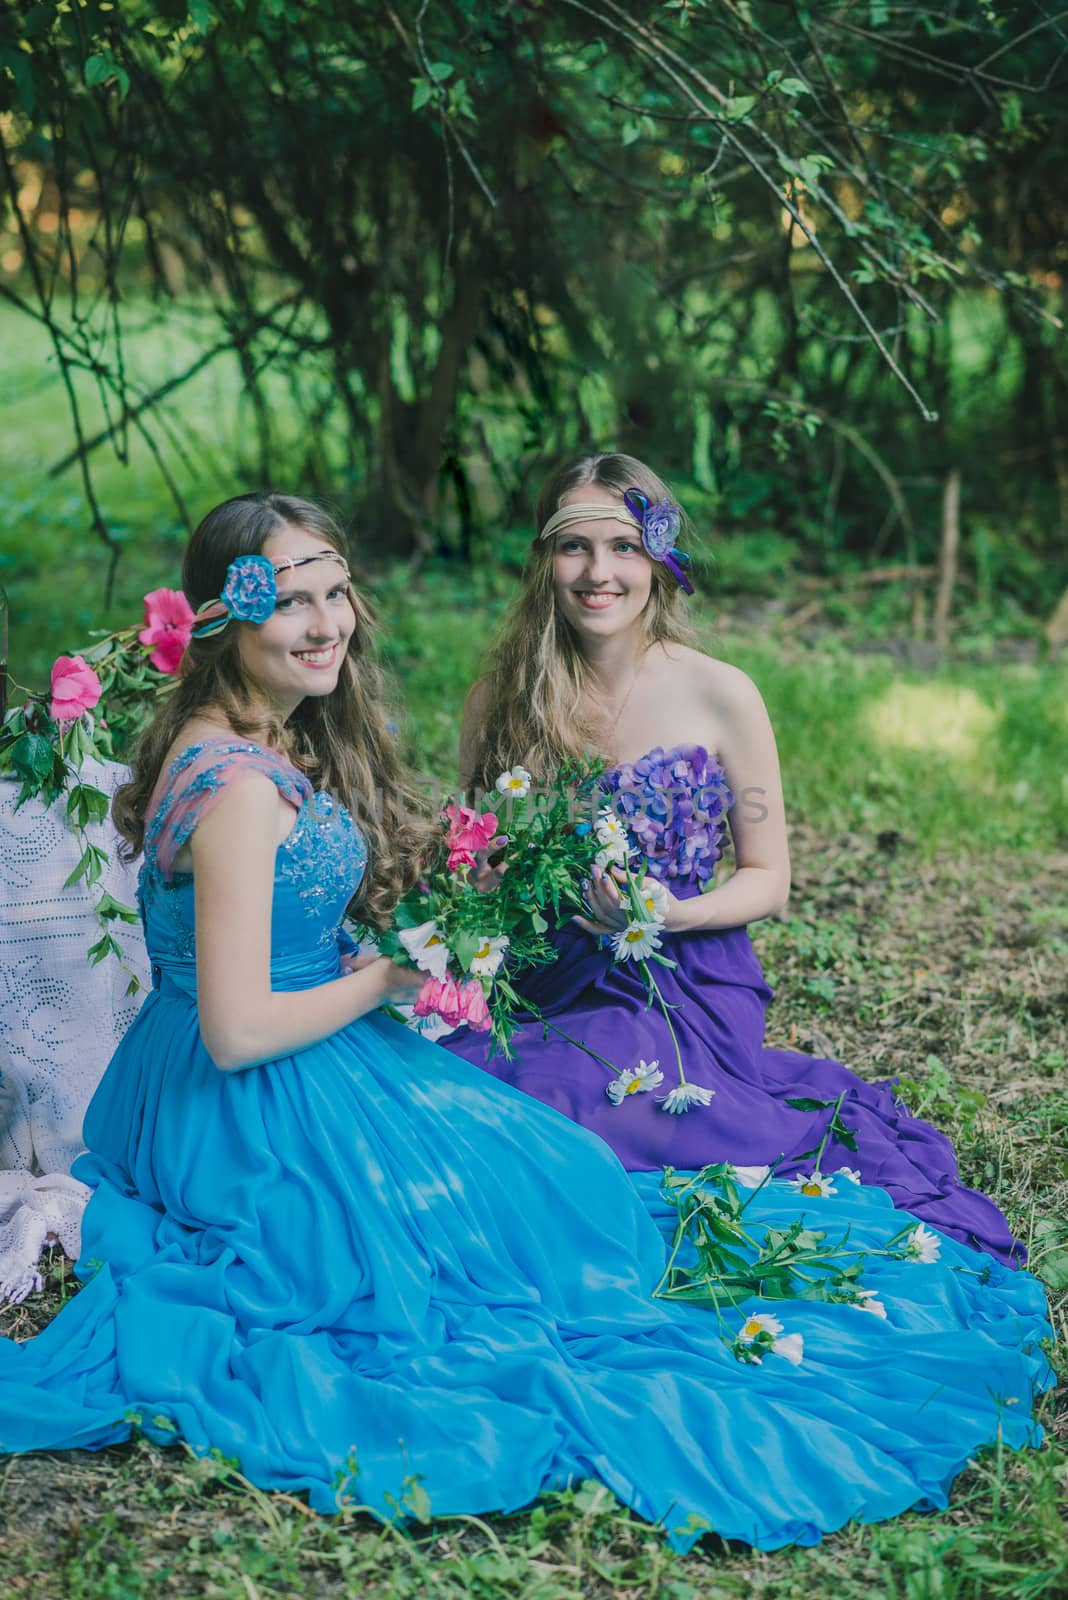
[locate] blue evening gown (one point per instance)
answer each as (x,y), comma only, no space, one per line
(369,1260)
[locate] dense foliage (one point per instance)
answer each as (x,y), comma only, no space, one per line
(806,257)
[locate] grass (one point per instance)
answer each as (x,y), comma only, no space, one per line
(926,939)
(948,972)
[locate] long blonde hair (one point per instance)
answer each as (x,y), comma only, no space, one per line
(341,741)
(539,678)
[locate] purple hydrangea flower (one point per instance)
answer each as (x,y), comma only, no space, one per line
(674,804)
(250,592)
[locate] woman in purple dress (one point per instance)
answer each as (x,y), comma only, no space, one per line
(596,657)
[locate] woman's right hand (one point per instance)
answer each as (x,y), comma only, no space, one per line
(490,867)
(396,985)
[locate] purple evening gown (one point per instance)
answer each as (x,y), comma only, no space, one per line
(675,805)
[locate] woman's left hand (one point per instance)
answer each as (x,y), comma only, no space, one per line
(610,909)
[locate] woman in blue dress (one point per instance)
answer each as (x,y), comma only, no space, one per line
(596,658)
(344,1257)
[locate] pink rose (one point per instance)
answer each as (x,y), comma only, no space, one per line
(473,1008)
(168,625)
(469,830)
(75,688)
(439,997)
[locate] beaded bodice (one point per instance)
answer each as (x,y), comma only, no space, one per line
(318,866)
(674,804)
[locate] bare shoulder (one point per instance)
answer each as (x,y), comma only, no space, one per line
(478,696)
(726,689)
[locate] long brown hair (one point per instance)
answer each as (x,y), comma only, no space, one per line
(341,741)
(539,678)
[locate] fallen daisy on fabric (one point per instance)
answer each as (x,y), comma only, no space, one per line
(749,1177)
(762,1332)
(635,1080)
(866,1301)
(851,1173)
(813,1184)
(923,1245)
(686,1095)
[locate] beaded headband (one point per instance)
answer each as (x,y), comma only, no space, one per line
(250,593)
(659,525)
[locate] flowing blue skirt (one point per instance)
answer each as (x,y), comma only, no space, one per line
(368,1262)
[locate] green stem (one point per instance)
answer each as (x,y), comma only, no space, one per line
(651,981)
(827,1131)
(616,1071)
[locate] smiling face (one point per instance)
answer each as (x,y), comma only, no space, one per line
(602,577)
(298,651)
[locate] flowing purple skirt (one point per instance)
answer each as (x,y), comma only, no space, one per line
(721,999)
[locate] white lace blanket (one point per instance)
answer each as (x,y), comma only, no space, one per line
(60,1020)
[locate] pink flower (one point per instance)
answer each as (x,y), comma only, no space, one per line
(439,997)
(469,831)
(473,1008)
(168,625)
(75,688)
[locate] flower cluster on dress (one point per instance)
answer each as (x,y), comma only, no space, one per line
(674,805)
(723,1256)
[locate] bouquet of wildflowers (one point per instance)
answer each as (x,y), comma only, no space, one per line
(471,944)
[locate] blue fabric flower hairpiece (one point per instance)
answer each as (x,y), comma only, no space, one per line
(249,594)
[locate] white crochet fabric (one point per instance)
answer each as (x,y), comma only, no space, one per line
(60,1020)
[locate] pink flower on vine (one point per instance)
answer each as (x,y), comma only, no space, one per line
(75,689)
(168,625)
(469,831)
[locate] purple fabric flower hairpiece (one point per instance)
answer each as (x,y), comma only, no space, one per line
(660,524)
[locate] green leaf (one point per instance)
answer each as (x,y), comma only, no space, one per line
(104,69)
(739,106)
(112,910)
(86,804)
(793,87)
(81,869)
(804,1104)
(32,756)
(417,1500)
(102,949)
(465,946)
(440,70)
(421,93)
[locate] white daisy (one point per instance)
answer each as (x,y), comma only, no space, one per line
(923,1245)
(516,781)
(609,829)
(748,1177)
(636,941)
(613,855)
(813,1184)
(635,1080)
(852,1173)
(654,899)
(488,957)
(686,1095)
(791,1346)
(866,1301)
(759,1322)
(427,948)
